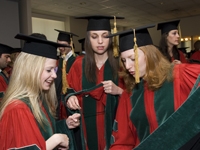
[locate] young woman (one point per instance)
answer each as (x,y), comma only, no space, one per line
(162,89)
(28,109)
(169,41)
(97,66)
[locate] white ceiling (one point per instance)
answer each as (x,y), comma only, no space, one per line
(136,12)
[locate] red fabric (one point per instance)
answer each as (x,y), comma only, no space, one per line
(3,84)
(149,108)
(18,127)
(196,55)
(125,137)
(182,57)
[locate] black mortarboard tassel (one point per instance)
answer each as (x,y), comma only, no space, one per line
(165,27)
(40,47)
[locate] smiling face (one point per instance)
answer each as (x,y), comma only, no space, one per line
(98,41)
(173,37)
(48,74)
(128,59)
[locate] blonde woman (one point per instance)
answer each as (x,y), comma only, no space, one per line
(28,109)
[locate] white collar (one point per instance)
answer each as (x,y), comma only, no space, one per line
(68,55)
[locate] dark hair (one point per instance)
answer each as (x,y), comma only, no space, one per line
(90,64)
(39,35)
(163,47)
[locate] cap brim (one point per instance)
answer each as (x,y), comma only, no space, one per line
(68,33)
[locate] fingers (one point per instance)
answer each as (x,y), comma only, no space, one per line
(73,103)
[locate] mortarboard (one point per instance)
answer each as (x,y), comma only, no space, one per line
(16,50)
(165,27)
(82,42)
(126,38)
(5,49)
(133,38)
(65,36)
(99,22)
(40,47)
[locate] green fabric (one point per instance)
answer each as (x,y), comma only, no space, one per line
(142,126)
(4,76)
(58,126)
(89,110)
(179,128)
(164,102)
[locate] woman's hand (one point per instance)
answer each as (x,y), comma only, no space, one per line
(60,141)
(72,103)
(73,121)
(176,62)
(111,88)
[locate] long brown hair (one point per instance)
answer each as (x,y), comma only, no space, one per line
(90,64)
(158,69)
(163,47)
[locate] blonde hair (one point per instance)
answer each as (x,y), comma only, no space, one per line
(25,82)
(158,69)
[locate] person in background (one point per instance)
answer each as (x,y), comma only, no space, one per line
(184,51)
(196,54)
(39,35)
(98,66)
(5,59)
(155,89)
(28,109)
(8,70)
(65,62)
(169,41)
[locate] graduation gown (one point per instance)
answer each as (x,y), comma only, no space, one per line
(61,112)
(3,84)
(19,129)
(196,56)
(141,114)
(182,57)
(97,111)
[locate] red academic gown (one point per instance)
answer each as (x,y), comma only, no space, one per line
(3,84)
(196,55)
(182,57)
(19,129)
(139,117)
(75,82)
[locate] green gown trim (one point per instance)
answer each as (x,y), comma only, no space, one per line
(179,128)
(89,109)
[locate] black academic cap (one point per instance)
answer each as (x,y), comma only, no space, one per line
(40,47)
(5,49)
(81,40)
(126,38)
(65,36)
(99,22)
(165,27)
(16,50)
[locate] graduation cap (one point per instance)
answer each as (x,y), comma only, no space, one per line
(132,39)
(126,38)
(16,50)
(5,49)
(65,36)
(82,42)
(98,22)
(40,47)
(165,27)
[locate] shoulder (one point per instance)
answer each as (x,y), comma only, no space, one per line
(16,105)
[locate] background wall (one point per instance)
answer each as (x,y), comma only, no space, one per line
(9,25)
